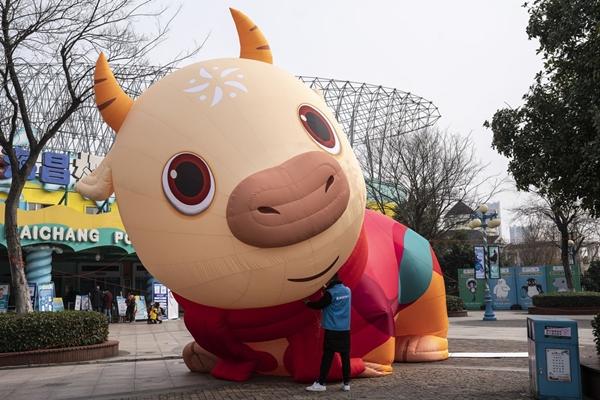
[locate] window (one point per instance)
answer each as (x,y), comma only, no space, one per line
(94,210)
(36,206)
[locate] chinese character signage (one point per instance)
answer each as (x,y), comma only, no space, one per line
(55,168)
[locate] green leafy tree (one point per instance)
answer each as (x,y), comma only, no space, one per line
(552,140)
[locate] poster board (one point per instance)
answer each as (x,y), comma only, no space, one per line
(121,306)
(470,289)
(4,296)
(86,304)
(46,297)
(77,302)
(531,281)
(32,287)
(555,278)
(160,296)
(504,290)
(173,305)
(142,311)
(57,304)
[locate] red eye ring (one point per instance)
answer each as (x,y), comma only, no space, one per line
(188,183)
(319,128)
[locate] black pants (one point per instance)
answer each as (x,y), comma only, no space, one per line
(335,342)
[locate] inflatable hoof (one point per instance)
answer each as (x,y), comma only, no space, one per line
(421,348)
(197,359)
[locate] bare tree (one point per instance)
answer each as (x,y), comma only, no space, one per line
(555,221)
(59,39)
(419,176)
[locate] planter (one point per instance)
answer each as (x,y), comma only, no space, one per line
(564,310)
(462,313)
(590,376)
(110,348)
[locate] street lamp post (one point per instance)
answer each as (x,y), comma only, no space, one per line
(482,219)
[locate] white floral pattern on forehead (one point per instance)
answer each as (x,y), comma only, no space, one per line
(216,85)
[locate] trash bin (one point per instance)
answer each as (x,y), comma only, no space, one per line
(554,371)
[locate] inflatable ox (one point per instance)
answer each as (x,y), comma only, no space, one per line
(241,193)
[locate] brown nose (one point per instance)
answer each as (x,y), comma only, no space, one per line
(289,203)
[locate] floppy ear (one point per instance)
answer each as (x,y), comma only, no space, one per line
(99,184)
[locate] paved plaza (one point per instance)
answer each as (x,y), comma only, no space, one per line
(149,366)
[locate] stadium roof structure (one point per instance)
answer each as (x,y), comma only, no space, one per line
(367,112)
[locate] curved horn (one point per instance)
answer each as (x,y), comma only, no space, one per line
(253,44)
(112,101)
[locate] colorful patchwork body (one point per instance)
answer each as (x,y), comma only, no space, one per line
(398,314)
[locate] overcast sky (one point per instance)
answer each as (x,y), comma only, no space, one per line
(470,57)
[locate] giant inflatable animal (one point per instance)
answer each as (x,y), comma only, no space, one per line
(242,194)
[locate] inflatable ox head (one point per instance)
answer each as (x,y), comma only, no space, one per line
(234,181)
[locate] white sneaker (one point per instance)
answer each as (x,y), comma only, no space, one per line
(345,388)
(316,387)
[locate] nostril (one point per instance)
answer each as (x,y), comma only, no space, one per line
(329,183)
(267,210)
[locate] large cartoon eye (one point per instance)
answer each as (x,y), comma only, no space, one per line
(319,128)
(188,183)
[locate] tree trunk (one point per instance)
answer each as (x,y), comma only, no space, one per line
(564,255)
(15,255)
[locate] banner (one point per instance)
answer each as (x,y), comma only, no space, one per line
(77,302)
(531,281)
(173,306)
(46,296)
(159,295)
(121,306)
(504,290)
(4,294)
(57,304)
(480,266)
(470,289)
(494,261)
(33,294)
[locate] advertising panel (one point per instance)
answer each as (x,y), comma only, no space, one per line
(142,311)
(530,282)
(173,306)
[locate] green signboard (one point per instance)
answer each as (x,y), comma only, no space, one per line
(470,289)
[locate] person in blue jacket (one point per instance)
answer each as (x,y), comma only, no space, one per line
(335,308)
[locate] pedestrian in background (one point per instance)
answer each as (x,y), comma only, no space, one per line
(108,303)
(131,307)
(335,308)
(96,299)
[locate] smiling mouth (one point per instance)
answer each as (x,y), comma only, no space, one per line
(310,278)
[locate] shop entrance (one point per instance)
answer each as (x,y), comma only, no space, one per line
(106,275)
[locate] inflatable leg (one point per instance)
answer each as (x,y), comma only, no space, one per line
(422,327)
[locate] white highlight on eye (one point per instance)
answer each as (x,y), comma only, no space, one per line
(303,118)
(220,89)
(173,174)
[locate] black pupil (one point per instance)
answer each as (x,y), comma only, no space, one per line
(317,126)
(189,179)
